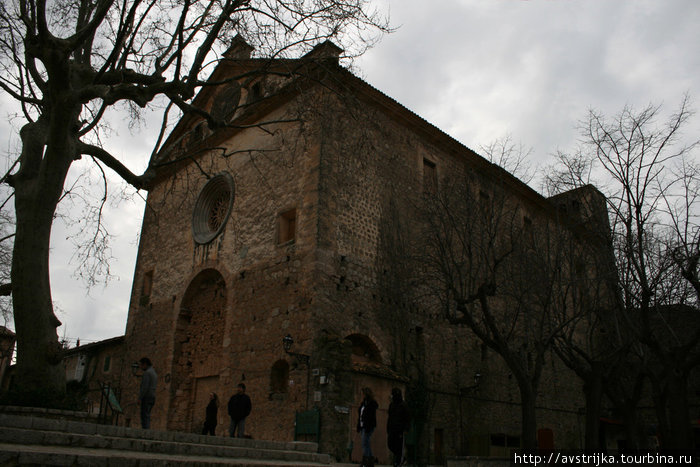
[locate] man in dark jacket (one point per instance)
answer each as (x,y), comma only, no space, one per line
(239,408)
(147,393)
(398,423)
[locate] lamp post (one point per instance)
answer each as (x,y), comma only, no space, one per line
(287,342)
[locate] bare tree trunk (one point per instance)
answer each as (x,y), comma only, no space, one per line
(633,432)
(660,398)
(529,415)
(672,412)
(39,368)
(680,434)
(40,376)
(593,389)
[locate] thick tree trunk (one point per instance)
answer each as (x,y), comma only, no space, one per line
(633,430)
(529,416)
(40,376)
(660,397)
(40,372)
(672,411)
(593,389)
(680,432)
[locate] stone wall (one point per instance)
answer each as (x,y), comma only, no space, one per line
(207,335)
(371,190)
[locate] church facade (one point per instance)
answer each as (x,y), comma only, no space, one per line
(273,253)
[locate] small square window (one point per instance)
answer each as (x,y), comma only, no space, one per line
(429,177)
(107,364)
(485,206)
(286,229)
(147,284)
(255,92)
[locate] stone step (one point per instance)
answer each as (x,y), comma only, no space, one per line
(44,424)
(16,455)
(60,441)
(54,438)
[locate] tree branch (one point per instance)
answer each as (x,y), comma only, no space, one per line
(88,31)
(139,182)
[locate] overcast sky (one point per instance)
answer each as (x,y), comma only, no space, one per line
(477,69)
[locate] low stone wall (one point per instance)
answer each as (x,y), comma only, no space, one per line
(53,414)
(474,461)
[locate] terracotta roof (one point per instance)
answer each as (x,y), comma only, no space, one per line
(95,345)
(377,369)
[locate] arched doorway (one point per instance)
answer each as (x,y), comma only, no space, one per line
(198,349)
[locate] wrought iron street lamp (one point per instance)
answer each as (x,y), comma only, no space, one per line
(287,342)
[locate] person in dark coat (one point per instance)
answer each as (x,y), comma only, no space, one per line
(147,393)
(398,423)
(239,407)
(212,412)
(366,423)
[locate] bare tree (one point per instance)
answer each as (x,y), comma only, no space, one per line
(512,157)
(650,179)
(567,172)
(68,62)
(596,345)
(637,153)
(593,344)
(483,249)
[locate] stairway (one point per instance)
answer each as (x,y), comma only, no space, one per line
(31,440)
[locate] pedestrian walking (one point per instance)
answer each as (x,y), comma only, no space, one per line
(366,423)
(212,412)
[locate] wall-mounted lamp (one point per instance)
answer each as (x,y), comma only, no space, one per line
(474,387)
(287,342)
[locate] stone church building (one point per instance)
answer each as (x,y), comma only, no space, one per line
(285,227)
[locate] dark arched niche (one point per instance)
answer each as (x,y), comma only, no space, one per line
(363,349)
(279,377)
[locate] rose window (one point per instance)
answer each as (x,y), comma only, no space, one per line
(212,208)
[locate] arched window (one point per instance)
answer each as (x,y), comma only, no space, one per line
(279,377)
(226,102)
